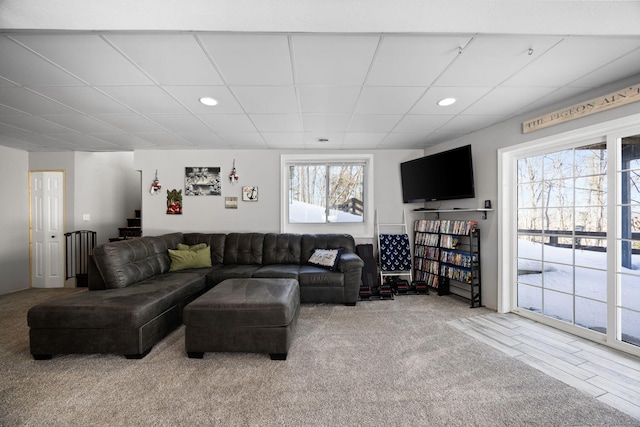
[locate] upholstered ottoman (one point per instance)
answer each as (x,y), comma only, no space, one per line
(243,315)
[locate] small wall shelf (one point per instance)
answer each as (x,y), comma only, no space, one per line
(439,211)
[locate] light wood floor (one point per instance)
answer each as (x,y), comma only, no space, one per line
(608,375)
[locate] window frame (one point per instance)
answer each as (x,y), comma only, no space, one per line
(357,230)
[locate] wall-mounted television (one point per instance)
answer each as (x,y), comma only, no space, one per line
(443,176)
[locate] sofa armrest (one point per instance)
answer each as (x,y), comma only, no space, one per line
(349,261)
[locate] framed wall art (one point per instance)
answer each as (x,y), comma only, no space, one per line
(202,181)
(231,203)
(249,194)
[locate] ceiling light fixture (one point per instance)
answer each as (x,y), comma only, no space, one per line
(446,102)
(208,101)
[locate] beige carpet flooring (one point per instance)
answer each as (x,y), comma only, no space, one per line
(381,363)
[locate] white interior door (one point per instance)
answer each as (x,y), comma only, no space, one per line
(47,229)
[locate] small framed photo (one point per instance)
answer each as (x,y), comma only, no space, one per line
(249,194)
(231,202)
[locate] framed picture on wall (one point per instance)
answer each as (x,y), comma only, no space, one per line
(231,203)
(249,194)
(202,181)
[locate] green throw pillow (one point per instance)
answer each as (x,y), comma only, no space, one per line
(184,259)
(183,247)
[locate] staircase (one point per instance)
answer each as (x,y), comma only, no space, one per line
(132,230)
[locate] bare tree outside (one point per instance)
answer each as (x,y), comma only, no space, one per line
(326,193)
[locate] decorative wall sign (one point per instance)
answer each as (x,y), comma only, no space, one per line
(249,194)
(595,105)
(174,202)
(202,181)
(231,202)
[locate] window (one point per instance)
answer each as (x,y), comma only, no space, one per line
(322,193)
(326,193)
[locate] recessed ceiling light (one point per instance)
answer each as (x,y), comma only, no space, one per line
(210,102)
(446,102)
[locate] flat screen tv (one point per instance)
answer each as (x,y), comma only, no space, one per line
(443,176)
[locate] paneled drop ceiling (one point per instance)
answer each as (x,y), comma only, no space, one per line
(115,90)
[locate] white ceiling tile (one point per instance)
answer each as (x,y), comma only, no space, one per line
(27,68)
(228,122)
(124,141)
(164,140)
(506,100)
(326,122)
(82,98)
(426,123)
(205,140)
(328,99)
(469,122)
(179,122)
(251,59)
(85,142)
(404,140)
(440,137)
(311,139)
(33,124)
(387,100)
(267,99)
(374,122)
(144,99)
(368,140)
(612,71)
(189,96)
(408,60)
(570,60)
(170,59)
(244,140)
(129,123)
(29,102)
(277,122)
(86,56)
(489,60)
(83,124)
(332,59)
(284,140)
(465,96)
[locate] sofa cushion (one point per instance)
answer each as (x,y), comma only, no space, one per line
(310,276)
(126,308)
(215,241)
(231,272)
(243,248)
(130,261)
(190,258)
(279,271)
(281,248)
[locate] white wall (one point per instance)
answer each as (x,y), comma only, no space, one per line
(256,168)
(14,222)
(485,145)
(107,189)
(103,185)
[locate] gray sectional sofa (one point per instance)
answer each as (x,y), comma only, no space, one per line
(135,299)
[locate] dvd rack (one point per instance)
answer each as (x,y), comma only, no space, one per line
(447,257)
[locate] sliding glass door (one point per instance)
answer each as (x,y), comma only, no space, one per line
(569,238)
